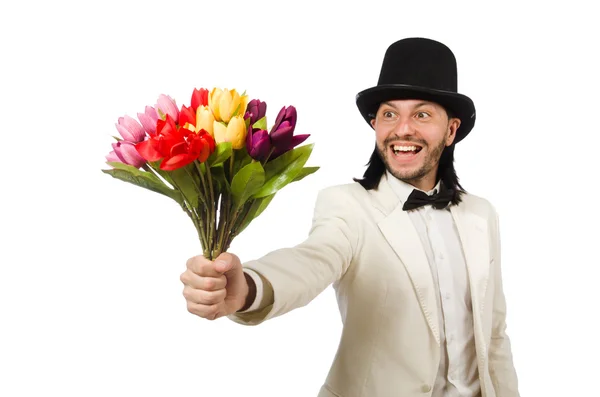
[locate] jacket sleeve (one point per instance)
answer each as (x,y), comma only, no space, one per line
(292,277)
(502,371)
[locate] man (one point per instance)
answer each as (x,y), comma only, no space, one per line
(414,259)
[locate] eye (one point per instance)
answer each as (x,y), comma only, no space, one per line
(388,114)
(422,115)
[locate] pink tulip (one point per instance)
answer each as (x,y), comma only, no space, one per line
(148,120)
(112,157)
(167,105)
(126,153)
(130,129)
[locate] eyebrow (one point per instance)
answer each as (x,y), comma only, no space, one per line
(418,105)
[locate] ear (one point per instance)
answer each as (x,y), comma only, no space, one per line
(373,123)
(453,125)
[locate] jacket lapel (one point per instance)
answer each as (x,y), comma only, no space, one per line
(473,233)
(400,233)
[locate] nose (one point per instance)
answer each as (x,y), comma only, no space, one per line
(404,126)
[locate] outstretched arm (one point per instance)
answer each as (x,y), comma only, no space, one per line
(292,277)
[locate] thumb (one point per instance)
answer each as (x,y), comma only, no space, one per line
(225,263)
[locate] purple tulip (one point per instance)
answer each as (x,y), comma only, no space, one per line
(296,140)
(283,129)
(256,110)
(126,153)
(258,144)
(130,129)
(149,119)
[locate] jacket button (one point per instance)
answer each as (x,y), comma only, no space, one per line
(426,388)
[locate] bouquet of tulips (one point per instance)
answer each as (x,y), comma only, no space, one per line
(216,158)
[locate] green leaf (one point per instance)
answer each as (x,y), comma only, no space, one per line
(263,203)
(283,170)
(143,179)
(222,152)
(305,172)
(218,176)
(280,163)
(117,138)
(241,158)
(246,182)
(261,124)
(188,186)
(164,174)
(257,207)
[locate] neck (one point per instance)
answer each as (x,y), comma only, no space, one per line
(426,183)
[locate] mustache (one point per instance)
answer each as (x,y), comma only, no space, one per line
(391,139)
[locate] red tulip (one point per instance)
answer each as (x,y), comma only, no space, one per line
(199,98)
(187,115)
(177,147)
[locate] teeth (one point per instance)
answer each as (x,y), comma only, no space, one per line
(404,148)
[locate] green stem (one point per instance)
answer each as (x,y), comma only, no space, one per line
(187,207)
(199,229)
(224,210)
(228,237)
(211,221)
(194,182)
(208,218)
(248,205)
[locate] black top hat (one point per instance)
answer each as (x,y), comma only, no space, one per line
(419,68)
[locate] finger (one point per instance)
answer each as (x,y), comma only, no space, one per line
(202,267)
(204,297)
(209,312)
(224,262)
(194,260)
(206,283)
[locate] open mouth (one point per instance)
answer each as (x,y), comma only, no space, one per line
(405,150)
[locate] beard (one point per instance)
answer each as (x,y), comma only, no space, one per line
(431,160)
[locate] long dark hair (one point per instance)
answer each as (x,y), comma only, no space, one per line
(446,172)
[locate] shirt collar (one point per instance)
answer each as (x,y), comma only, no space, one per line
(403,189)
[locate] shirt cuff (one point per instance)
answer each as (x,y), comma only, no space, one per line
(259,290)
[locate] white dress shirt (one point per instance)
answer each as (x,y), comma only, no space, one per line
(457,374)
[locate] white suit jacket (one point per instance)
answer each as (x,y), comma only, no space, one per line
(366,246)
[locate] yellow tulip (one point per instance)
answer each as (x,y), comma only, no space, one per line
(213,102)
(235,132)
(204,119)
(226,104)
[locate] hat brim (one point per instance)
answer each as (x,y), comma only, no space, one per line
(368,102)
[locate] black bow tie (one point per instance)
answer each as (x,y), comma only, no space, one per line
(438,200)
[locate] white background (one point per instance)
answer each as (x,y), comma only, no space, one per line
(90,297)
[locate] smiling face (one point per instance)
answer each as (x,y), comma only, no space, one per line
(411,135)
